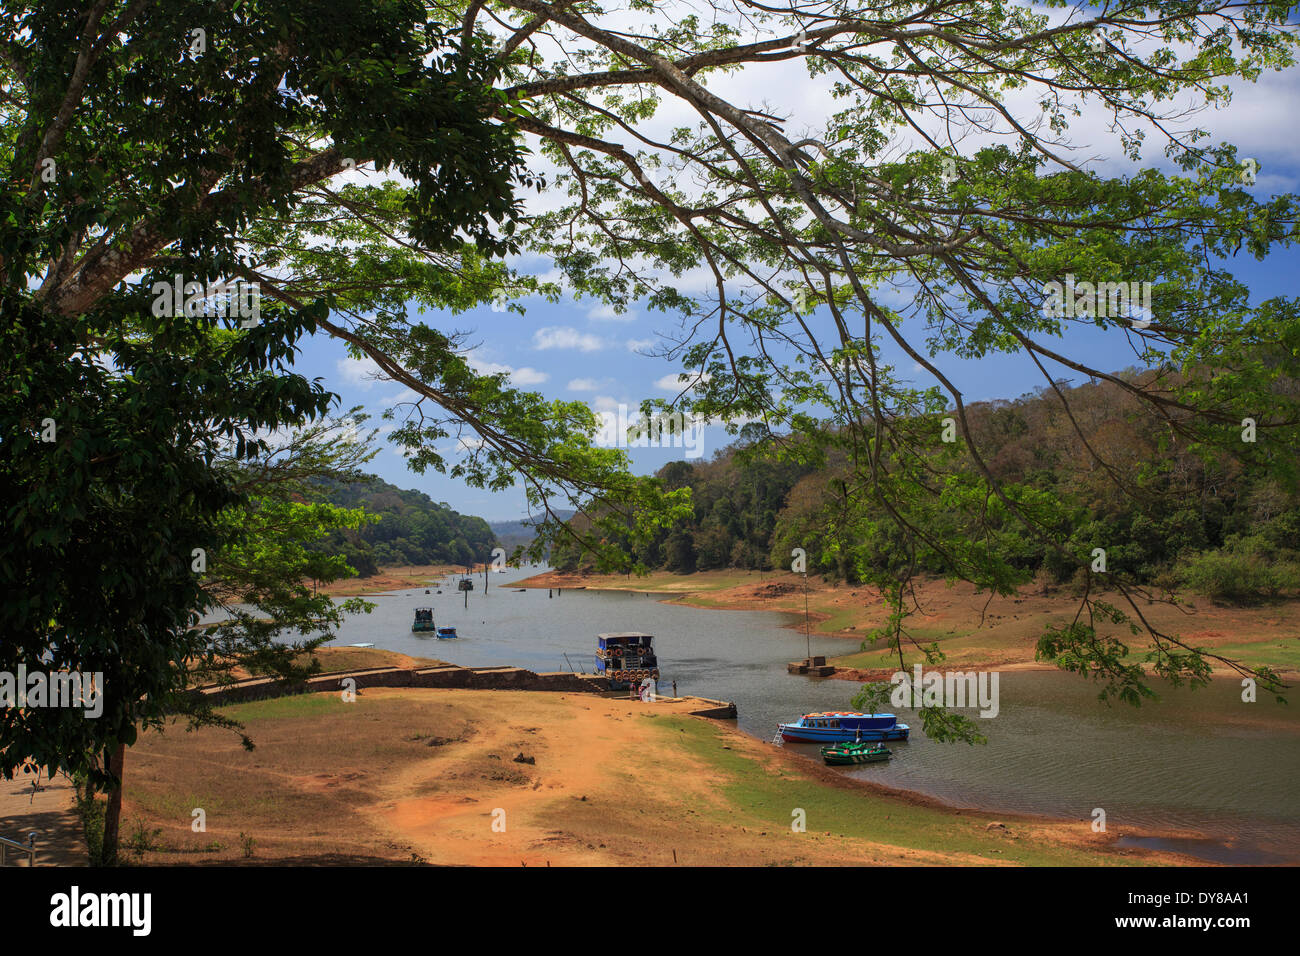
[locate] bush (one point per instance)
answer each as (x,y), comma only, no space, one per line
(92,810)
(1238,577)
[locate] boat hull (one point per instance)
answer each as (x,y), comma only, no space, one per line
(822,735)
(847,755)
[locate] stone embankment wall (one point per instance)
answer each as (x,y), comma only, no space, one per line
(476,678)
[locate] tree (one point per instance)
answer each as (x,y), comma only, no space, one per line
(112,507)
(891,192)
(139,142)
(136,149)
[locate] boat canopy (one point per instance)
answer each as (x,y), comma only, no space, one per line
(624,639)
(848,719)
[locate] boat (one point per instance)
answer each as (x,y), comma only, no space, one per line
(445,633)
(843,725)
(838,755)
(626,657)
(466,584)
(423,620)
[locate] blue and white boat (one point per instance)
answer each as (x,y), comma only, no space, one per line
(445,633)
(836,726)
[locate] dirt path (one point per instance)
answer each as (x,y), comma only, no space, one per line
(501,822)
(49,813)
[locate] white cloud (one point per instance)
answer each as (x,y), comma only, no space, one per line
(673,382)
(399,398)
(636,345)
(519,377)
(606,313)
(563,337)
(585,384)
(528,376)
(363,373)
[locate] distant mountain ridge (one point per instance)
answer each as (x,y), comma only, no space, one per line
(513,533)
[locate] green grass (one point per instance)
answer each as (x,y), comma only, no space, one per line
(280,708)
(769,799)
(1282,654)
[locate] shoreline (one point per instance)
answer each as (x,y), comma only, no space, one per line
(391,579)
(717,794)
(975,631)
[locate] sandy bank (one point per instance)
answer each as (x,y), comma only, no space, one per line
(407,775)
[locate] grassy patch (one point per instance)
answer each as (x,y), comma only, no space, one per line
(280,708)
(1282,654)
(768,797)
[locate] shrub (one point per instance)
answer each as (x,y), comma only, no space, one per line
(1238,576)
(92,810)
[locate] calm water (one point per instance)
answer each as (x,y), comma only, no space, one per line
(1198,759)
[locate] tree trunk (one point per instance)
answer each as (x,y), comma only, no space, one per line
(113,814)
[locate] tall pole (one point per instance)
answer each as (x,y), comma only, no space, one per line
(806,636)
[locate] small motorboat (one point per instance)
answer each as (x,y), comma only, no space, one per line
(423,620)
(838,755)
(445,633)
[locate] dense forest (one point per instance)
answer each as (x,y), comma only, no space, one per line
(1168,514)
(409,527)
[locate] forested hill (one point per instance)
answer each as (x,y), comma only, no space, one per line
(1191,520)
(412,529)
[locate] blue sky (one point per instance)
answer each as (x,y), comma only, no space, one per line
(572,351)
(577,350)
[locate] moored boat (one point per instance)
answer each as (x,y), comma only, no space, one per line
(836,726)
(851,753)
(626,657)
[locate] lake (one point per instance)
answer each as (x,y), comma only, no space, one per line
(1201,760)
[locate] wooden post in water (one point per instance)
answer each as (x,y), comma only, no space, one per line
(806,636)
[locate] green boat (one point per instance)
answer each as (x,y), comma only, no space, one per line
(423,620)
(850,753)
